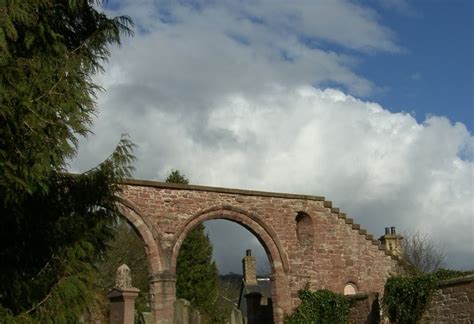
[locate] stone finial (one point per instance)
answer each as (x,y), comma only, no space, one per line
(123,278)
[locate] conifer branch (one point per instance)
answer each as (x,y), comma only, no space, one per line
(48,296)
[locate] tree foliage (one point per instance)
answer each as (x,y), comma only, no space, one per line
(49,51)
(51,239)
(53,225)
(196,273)
(176,177)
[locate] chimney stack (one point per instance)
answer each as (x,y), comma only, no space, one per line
(392,241)
(250,268)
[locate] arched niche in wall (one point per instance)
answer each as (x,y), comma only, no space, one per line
(350,289)
(304,229)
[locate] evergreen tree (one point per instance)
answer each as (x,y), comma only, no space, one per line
(53,225)
(196,272)
(49,51)
(51,239)
(176,177)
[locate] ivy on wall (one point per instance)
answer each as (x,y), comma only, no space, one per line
(406,298)
(320,307)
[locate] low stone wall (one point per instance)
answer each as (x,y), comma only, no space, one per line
(183,314)
(453,302)
(365,308)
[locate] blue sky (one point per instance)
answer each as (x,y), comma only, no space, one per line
(434,74)
(368,103)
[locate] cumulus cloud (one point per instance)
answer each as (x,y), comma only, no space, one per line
(382,168)
(234,97)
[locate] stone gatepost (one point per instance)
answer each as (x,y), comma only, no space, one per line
(122,298)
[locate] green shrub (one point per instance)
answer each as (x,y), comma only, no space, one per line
(446,274)
(320,307)
(406,298)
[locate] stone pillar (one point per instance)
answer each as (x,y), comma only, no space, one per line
(281,297)
(163,290)
(122,298)
(122,305)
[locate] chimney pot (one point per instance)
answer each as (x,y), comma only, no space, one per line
(248,252)
(393,229)
(387,231)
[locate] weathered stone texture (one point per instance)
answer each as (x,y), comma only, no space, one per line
(339,250)
(365,309)
(453,302)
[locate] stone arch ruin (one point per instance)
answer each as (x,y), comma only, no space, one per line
(308,242)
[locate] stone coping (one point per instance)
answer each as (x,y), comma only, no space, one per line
(456,281)
(179,186)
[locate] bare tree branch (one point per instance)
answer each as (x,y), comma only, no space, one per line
(420,251)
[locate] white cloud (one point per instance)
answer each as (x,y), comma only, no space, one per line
(230,102)
(255,42)
(382,168)
(346,23)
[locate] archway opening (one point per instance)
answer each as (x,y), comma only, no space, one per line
(135,245)
(242,268)
(281,300)
(230,242)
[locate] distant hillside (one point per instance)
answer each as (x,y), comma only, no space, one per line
(229,287)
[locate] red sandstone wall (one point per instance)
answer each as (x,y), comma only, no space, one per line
(365,309)
(339,252)
(453,302)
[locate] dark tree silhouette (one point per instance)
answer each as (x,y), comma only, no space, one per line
(53,225)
